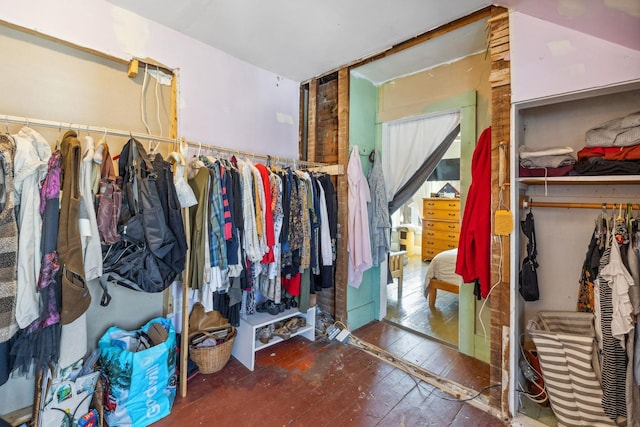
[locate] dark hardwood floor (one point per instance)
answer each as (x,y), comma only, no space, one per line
(326,383)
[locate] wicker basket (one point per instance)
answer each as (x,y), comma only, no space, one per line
(213,359)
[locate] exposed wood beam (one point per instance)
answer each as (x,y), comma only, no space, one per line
(342,190)
(312,117)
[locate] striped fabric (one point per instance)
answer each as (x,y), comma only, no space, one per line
(564,341)
(8,241)
(614,357)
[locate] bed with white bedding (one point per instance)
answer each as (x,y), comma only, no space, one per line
(441,275)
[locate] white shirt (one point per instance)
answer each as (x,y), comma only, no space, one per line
(619,281)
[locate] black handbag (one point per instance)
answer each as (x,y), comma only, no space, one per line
(528,276)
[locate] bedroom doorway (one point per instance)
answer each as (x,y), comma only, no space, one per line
(410,308)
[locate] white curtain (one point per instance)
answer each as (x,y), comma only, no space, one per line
(407,143)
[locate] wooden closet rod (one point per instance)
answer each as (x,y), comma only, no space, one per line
(527,203)
(86,128)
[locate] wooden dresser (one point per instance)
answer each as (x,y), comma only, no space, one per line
(440,226)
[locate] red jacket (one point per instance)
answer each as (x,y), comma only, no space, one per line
(474,247)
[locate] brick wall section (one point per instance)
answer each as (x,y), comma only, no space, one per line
(500,259)
(322,147)
(326,147)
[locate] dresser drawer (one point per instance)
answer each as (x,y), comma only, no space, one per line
(429,225)
(430,252)
(441,204)
(441,214)
(431,234)
(443,244)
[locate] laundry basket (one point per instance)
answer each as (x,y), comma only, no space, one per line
(564,342)
(212,359)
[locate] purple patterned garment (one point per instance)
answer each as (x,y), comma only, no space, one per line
(51,184)
(50,315)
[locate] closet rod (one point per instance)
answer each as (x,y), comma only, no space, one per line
(529,203)
(75,126)
(256,155)
(321,167)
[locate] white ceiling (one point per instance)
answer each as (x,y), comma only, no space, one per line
(301,39)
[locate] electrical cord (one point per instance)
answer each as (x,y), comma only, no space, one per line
(70,417)
(533,397)
(142,100)
(421,384)
(501,260)
(158,100)
(543,390)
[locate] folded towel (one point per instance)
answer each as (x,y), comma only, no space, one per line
(527,153)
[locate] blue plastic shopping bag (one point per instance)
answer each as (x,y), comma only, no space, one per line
(139,374)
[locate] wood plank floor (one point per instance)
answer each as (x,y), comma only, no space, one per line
(411,310)
(326,383)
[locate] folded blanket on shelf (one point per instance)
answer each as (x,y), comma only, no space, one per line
(552,157)
(619,132)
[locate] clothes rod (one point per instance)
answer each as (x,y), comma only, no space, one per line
(86,128)
(531,204)
(319,167)
(256,155)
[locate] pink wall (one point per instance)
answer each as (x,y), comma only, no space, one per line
(548,59)
(617,21)
(222,101)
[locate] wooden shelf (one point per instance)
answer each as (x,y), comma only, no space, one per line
(582,180)
(276,339)
(247,345)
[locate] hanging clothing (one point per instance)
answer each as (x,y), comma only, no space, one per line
(306,202)
(614,357)
(268,256)
(328,276)
(92,251)
(172,214)
(231,181)
(586,289)
(217,244)
(30,167)
(618,278)
(40,344)
(183,190)
(75,293)
(8,244)
(474,246)
(251,242)
(199,182)
(379,218)
(325,231)
(359,243)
